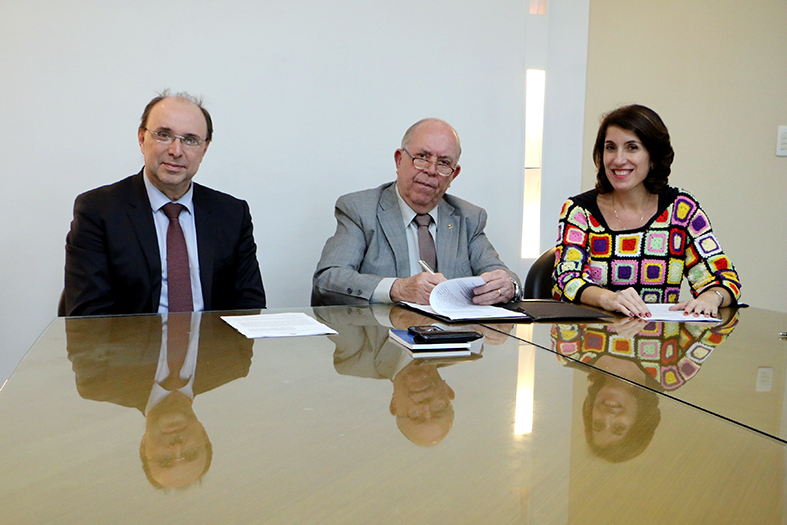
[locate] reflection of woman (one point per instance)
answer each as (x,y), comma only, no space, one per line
(620,418)
(632,239)
(668,353)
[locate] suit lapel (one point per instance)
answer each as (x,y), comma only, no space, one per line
(391,221)
(447,239)
(141,219)
(206,239)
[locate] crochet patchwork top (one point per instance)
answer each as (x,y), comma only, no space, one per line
(677,241)
(671,353)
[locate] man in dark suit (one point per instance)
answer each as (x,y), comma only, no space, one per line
(125,361)
(116,251)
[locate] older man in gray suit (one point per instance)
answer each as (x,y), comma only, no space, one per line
(375,255)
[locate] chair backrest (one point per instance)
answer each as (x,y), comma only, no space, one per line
(61,305)
(538,284)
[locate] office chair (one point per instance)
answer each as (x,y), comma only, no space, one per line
(538,284)
(61,305)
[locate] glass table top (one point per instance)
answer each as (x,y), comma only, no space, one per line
(735,369)
(350,429)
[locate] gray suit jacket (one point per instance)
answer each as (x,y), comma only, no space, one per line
(370,244)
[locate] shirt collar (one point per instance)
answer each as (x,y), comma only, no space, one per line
(158,199)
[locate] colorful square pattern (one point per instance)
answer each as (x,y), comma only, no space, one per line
(628,245)
(578,218)
(683,210)
(575,236)
(621,346)
(707,245)
(599,272)
(656,244)
(678,243)
(654,271)
(699,224)
(625,273)
(600,245)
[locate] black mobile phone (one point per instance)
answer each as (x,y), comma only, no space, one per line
(435,334)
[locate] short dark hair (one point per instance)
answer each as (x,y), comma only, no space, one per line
(143,124)
(641,432)
(651,131)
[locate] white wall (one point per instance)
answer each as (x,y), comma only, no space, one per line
(309,99)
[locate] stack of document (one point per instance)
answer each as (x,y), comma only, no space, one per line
(452,300)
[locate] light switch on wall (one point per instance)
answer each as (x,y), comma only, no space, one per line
(781,141)
(764,379)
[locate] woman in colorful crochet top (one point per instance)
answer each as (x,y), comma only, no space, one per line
(632,239)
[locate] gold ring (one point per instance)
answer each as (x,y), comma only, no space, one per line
(499,293)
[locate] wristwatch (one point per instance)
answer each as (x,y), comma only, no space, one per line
(517,290)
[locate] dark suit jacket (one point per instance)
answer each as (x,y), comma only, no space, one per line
(113,264)
(115,358)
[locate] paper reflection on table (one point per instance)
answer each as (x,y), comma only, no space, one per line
(421,400)
(619,417)
(159,365)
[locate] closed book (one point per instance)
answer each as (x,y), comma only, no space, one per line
(405,338)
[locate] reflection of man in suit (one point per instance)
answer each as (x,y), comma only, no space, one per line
(116,251)
(421,399)
(130,361)
(373,256)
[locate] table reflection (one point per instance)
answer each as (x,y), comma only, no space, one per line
(666,353)
(421,400)
(619,417)
(158,365)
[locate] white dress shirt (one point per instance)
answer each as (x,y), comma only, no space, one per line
(186,219)
(382,294)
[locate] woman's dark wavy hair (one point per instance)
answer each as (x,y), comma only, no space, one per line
(651,131)
(639,435)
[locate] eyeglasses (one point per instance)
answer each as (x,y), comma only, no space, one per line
(442,167)
(187,141)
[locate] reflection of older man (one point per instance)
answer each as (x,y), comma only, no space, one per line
(421,402)
(158,365)
(421,399)
(374,254)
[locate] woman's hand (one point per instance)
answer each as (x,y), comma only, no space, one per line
(627,327)
(707,303)
(627,302)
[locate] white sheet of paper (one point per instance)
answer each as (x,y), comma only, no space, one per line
(662,312)
(277,325)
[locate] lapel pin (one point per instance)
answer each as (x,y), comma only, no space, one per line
(450,226)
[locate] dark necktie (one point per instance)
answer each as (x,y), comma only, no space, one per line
(426,241)
(178,278)
(178,327)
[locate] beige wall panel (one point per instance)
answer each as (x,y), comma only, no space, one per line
(717,74)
